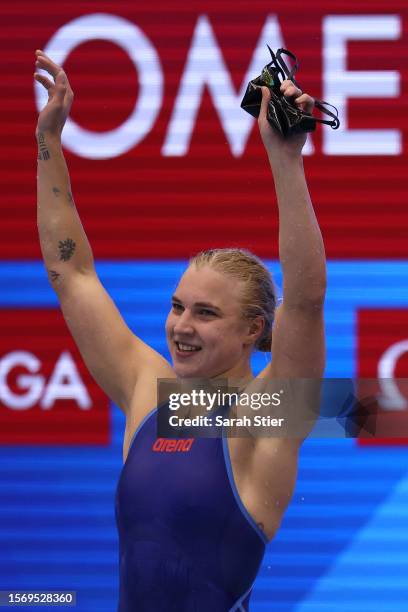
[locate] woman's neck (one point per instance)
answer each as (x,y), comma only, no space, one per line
(241,372)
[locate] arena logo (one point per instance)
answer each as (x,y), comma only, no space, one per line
(64,383)
(205,66)
(164,445)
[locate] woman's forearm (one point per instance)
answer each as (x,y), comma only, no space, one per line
(301,248)
(64,244)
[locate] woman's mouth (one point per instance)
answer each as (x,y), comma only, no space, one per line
(186,350)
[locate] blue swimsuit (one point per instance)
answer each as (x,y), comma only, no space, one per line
(186,542)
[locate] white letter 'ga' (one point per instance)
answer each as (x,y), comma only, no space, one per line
(97,145)
(65,382)
(73,389)
(33,383)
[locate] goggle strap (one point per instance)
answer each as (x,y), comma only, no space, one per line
(335,122)
(281,65)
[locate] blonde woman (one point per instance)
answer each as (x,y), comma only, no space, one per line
(192,525)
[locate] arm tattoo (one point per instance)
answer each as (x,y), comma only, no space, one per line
(57,192)
(66,249)
(43,153)
(54,276)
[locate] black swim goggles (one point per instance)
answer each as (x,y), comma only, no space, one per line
(282,113)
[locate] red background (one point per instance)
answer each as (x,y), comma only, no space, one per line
(144,205)
(377,330)
(64,422)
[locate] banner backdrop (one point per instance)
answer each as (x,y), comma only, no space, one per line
(163,160)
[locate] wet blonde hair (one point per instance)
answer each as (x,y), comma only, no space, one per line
(259,292)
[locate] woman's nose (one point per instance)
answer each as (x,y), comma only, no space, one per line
(184,323)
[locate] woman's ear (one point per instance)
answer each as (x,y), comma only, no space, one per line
(255,329)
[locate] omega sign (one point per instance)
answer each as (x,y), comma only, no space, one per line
(391,397)
(47,395)
(64,382)
(205,67)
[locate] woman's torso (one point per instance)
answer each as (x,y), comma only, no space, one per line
(257,480)
(186,541)
(264,469)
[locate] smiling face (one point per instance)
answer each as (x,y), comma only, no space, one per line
(206,332)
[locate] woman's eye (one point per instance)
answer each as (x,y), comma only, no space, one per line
(177,307)
(206,313)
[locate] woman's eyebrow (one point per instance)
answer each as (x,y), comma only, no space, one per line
(198,304)
(207,305)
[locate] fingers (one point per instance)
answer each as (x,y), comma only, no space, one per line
(58,88)
(45,63)
(290,90)
(61,80)
(304,101)
(43,80)
(266,96)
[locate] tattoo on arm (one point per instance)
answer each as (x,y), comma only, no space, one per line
(57,192)
(54,276)
(66,249)
(43,153)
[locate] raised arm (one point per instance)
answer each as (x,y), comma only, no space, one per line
(115,357)
(298,344)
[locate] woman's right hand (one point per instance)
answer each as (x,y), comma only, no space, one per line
(275,144)
(52,118)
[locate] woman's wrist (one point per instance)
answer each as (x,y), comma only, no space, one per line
(51,140)
(285,159)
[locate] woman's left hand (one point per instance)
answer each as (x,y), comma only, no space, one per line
(276,144)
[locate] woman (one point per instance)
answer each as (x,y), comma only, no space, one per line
(193,524)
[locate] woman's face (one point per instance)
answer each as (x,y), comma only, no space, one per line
(205,330)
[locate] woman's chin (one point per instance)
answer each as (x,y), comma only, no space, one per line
(189,370)
(184,371)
